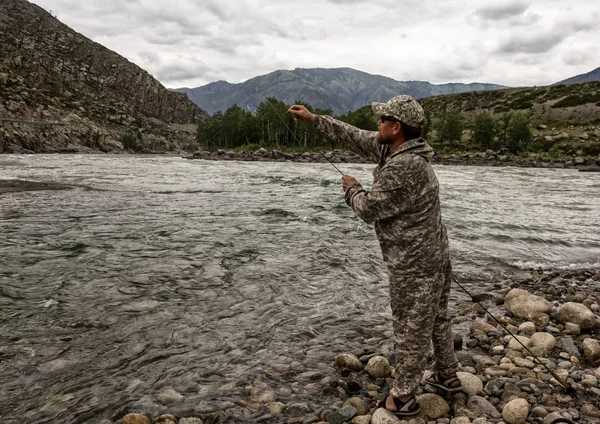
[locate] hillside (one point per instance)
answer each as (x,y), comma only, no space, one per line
(61,92)
(340,89)
(564,104)
(588,77)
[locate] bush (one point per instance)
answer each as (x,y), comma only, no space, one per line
(450,127)
(518,133)
(129,141)
(484,132)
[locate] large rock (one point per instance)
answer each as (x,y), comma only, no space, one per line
(433,406)
(348,361)
(524,304)
(545,340)
(516,411)
(591,349)
(378,367)
(362,407)
(471,383)
(577,313)
(135,419)
(383,416)
(513,344)
(482,407)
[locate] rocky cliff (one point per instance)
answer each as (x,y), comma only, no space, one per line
(61,92)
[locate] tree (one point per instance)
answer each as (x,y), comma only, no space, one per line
(451,127)
(484,132)
(518,133)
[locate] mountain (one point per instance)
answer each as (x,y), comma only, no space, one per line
(590,76)
(341,89)
(60,91)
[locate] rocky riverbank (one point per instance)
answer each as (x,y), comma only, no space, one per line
(488,158)
(555,314)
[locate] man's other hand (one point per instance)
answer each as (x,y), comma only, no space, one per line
(347,181)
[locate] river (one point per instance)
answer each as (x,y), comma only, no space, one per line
(213,278)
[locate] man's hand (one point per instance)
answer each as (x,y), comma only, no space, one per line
(302,113)
(348,180)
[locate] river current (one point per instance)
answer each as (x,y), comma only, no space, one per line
(214,278)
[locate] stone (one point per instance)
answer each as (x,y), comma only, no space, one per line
(471,383)
(460,420)
(169,397)
(591,349)
(298,410)
(539,412)
(165,419)
(513,344)
(572,328)
(527,327)
(590,411)
(483,327)
(433,406)
(362,407)
(362,419)
(493,386)
(516,411)
(135,419)
(567,344)
(348,361)
(551,417)
(275,408)
(346,413)
(522,362)
(577,313)
(191,421)
(524,304)
(543,340)
(379,367)
(383,416)
(482,407)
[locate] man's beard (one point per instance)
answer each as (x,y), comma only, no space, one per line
(383,140)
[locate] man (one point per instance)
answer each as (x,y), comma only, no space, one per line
(404,205)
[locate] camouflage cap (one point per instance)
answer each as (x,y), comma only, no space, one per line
(404,108)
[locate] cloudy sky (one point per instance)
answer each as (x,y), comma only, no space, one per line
(188,43)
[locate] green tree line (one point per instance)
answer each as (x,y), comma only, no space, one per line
(271,127)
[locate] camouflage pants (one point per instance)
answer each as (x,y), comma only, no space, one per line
(420,315)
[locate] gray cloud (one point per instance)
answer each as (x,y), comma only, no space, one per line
(190,42)
(499,10)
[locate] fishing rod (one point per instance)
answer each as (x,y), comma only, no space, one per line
(294,135)
(566,386)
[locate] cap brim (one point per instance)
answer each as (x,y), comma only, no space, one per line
(378,108)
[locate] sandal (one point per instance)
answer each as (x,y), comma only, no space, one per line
(403,409)
(450,384)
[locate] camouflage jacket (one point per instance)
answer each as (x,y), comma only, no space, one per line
(403,202)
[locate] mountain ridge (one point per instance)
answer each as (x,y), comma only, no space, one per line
(341,89)
(593,75)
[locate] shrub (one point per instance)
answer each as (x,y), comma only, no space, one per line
(484,131)
(518,133)
(129,141)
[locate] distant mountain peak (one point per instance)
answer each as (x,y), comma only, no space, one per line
(588,77)
(340,89)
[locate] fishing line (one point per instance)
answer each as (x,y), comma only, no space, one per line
(294,135)
(563,383)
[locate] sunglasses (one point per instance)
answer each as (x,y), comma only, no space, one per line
(387,118)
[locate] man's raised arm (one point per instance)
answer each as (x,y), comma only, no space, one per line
(362,142)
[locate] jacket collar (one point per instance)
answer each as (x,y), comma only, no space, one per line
(408,145)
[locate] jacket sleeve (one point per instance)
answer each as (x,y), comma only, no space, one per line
(362,142)
(393,193)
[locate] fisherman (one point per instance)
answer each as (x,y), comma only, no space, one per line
(404,205)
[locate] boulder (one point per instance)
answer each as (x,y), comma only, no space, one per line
(544,340)
(482,406)
(378,367)
(524,304)
(348,361)
(516,411)
(515,345)
(471,383)
(135,419)
(383,416)
(577,313)
(591,349)
(433,406)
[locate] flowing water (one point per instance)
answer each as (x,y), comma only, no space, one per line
(212,278)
